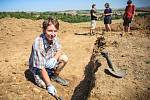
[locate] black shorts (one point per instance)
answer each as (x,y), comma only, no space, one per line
(107,20)
(127,21)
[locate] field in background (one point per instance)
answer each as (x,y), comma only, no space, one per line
(71,16)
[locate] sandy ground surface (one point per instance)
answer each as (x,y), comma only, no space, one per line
(131,52)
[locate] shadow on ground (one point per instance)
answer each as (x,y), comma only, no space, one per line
(88,34)
(29,76)
(82,91)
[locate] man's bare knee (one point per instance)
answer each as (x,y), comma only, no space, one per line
(63,58)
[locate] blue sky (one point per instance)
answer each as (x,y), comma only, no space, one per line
(60,5)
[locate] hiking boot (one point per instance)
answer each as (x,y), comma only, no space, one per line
(60,80)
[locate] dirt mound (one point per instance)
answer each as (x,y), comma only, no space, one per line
(131,53)
(141,24)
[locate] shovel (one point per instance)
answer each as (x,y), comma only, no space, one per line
(58,97)
(118,73)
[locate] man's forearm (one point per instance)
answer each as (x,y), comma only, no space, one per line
(45,76)
(94,15)
(107,14)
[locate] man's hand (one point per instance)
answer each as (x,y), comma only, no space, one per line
(51,63)
(51,89)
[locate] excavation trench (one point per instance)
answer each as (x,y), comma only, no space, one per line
(83,89)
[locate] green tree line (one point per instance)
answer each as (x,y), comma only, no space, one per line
(77,18)
(44,15)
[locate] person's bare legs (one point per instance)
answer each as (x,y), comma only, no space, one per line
(109,27)
(128,28)
(125,29)
(56,76)
(106,27)
(92,31)
(60,67)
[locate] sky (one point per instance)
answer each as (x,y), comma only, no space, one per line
(61,5)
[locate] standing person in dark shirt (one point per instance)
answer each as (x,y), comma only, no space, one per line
(93,19)
(128,15)
(107,18)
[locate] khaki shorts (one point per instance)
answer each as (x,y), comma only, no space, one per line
(93,24)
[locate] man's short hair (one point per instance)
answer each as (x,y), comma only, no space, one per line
(107,5)
(50,21)
(129,2)
(93,5)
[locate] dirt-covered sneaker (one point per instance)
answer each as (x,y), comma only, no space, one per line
(60,80)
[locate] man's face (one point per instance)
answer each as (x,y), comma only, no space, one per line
(50,32)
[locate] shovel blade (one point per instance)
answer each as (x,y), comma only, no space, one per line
(118,73)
